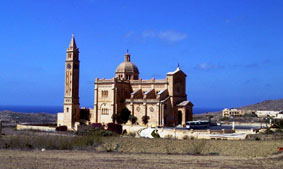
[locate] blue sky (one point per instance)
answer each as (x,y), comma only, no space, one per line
(232,51)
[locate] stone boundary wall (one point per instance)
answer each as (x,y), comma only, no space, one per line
(31,127)
(257,124)
(192,134)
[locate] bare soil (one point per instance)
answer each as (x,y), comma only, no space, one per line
(12,159)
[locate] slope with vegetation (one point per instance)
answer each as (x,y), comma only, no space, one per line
(275,105)
(14,117)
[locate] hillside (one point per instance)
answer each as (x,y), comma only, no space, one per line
(40,118)
(275,105)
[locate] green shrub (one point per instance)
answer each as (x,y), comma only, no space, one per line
(133,119)
(49,142)
(121,117)
(214,154)
(109,147)
(155,134)
(257,139)
(279,131)
(198,147)
(90,131)
(86,141)
(224,119)
(268,131)
(277,124)
(115,128)
(145,119)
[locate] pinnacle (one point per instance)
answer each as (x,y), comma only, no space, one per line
(72,44)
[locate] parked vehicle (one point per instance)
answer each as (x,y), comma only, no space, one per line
(197,124)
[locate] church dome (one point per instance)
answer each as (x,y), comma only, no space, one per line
(127,70)
(127,66)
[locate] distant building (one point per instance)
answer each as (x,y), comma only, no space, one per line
(279,115)
(164,101)
(232,112)
(268,113)
(259,113)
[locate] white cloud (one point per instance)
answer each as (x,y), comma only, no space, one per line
(171,36)
(208,66)
(129,34)
(149,34)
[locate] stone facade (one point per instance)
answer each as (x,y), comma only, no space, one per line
(71,112)
(232,112)
(163,100)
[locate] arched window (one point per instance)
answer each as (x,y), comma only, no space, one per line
(104,110)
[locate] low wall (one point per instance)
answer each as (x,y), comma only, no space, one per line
(34,127)
(246,131)
(253,124)
(188,134)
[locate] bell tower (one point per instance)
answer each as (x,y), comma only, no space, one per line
(71,95)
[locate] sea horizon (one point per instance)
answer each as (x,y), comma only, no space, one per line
(56,109)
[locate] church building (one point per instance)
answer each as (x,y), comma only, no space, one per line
(164,101)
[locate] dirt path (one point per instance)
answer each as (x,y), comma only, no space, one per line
(11,159)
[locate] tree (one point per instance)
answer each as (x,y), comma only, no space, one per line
(209,117)
(121,117)
(133,119)
(278,123)
(145,119)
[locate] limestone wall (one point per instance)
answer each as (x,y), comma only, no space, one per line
(60,119)
(30,127)
(189,134)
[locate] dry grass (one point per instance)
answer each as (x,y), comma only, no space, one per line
(48,142)
(243,148)
(11,159)
(129,153)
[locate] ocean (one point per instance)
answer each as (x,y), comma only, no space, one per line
(56,109)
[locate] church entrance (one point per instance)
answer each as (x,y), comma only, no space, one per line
(179,117)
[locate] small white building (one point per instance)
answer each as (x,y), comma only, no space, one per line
(279,115)
(268,113)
